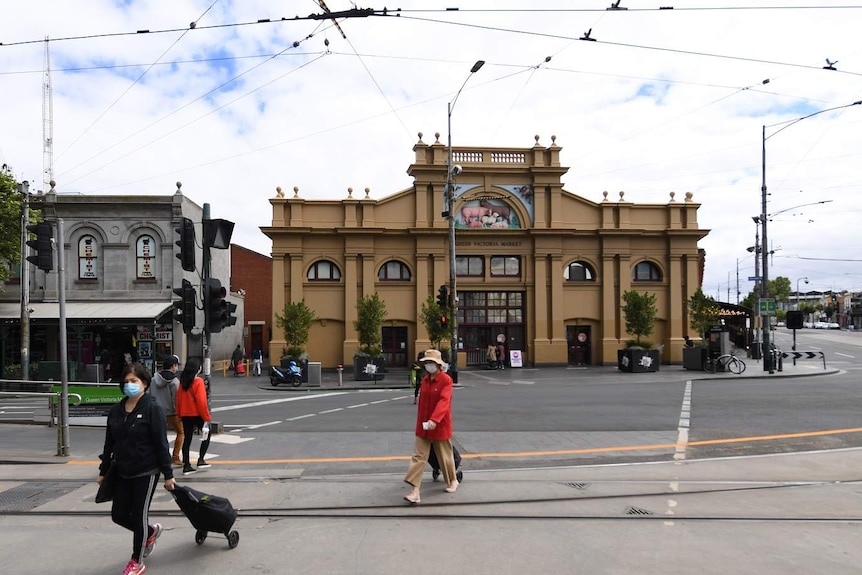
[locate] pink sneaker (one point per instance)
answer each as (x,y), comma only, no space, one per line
(150,544)
(134,568)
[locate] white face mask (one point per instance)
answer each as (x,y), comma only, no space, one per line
(431,367)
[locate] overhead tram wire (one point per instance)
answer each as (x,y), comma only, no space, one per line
(132,85)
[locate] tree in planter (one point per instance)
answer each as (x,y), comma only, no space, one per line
(370,313)
(295,320)
(432,312)
(704,312)
(640,311)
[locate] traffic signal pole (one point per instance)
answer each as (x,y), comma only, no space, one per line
(207,368)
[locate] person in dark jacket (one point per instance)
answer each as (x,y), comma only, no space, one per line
(433,426)
(136,441)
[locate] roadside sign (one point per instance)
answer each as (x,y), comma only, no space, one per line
(767,306)
(754,278)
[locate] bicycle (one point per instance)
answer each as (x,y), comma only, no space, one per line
(724,362)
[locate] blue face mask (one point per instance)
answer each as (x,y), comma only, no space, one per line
(131,389)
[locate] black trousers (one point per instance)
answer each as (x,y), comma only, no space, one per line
(189,425)
(131,506)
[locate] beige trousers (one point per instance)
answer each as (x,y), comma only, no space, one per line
(177,425)
(421,448)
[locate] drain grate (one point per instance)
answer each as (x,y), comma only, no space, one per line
(576,485)
(637,511)
(29,496)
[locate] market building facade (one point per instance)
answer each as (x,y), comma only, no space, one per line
(538,268)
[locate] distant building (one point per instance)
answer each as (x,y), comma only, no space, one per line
(538,268)
(120,270)
(251,275)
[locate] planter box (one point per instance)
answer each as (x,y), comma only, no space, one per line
(693,357)
(360,371)
(638,360)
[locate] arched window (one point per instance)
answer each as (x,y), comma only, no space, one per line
(394,271)
(324,271)
(579,272)
(145,256)
(88,258)
(646,272)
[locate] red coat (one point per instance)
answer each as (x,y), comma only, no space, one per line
(435,403)
(193,402)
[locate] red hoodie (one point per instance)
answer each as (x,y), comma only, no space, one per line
(193,402)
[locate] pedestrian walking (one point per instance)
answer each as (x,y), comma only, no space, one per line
(137,444)
(236,359)
(256,362)
(164,389)
(433,426)
(194,412)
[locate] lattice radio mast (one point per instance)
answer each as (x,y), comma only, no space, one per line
(47,123)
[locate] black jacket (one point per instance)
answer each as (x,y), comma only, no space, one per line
(137,440)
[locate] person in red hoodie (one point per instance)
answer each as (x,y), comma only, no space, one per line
(433,426)
(193,410)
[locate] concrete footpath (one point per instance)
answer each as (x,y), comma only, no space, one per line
(776,514)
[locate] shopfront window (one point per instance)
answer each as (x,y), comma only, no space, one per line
(145,256)
(88,257)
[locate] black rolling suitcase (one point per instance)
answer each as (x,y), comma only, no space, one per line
(207,514)
(435,467)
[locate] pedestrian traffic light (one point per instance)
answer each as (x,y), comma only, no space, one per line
(444,322)
(443,296)
(231,308)
(186,244)
(43,259)
(185,313)
(215,307)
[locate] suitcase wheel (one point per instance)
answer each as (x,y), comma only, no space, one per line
(459,475)
(200,537)
(233,539)
(435,474)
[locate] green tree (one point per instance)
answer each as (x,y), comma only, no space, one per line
(780,289)
(10,223)
(640,311)
(431,314)
(370,313)
(703,312)
(295,320)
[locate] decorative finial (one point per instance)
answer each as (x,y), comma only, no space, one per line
(437,137)
(420,138)
(349,192)
(672,194)
(179,185)
(367,193)
(553,140)
(295,191)
(605,195)
(53,184)
(278,192)
(537,138)
(688,196)
(621,196)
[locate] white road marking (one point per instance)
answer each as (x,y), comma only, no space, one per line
(357,405)
(301,417)
(249,427)
(520,382)
(845,355)
(332,410)
(684,423)
(275,401)
(379,401)
(229,439)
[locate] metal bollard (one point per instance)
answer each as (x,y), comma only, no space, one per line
(339,370)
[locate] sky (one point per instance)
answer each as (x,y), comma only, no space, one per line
(659,97)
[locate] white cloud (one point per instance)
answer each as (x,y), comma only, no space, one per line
(664,101)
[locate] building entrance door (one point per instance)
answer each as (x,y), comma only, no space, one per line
(395,346)
(579,338)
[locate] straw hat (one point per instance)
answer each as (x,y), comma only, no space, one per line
(432,355)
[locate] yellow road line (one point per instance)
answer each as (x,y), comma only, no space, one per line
(530,453)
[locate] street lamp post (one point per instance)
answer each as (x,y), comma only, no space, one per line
(797,290)
(768,364)
(758,282)
(449,206)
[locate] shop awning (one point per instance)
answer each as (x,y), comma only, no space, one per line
(104,310)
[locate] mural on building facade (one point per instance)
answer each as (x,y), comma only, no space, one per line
(494,210)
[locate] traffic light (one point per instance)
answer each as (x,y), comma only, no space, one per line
(43,259)
(185,306)
(186,244)
(231,308)
(444,322)
(443,296)
(216,314)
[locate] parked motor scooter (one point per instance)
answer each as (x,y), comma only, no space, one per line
(291,375)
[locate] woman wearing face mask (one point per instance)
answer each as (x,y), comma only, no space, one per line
(136,440)
(433,426)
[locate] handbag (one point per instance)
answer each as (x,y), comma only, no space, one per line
(108,484)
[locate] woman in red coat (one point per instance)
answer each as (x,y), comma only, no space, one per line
(433,426)
(194,412)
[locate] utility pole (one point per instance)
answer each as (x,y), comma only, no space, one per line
(24,190)
(59,242)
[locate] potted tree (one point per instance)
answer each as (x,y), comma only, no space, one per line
(370,315)
(703,312)
(640,313)
(296,320)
